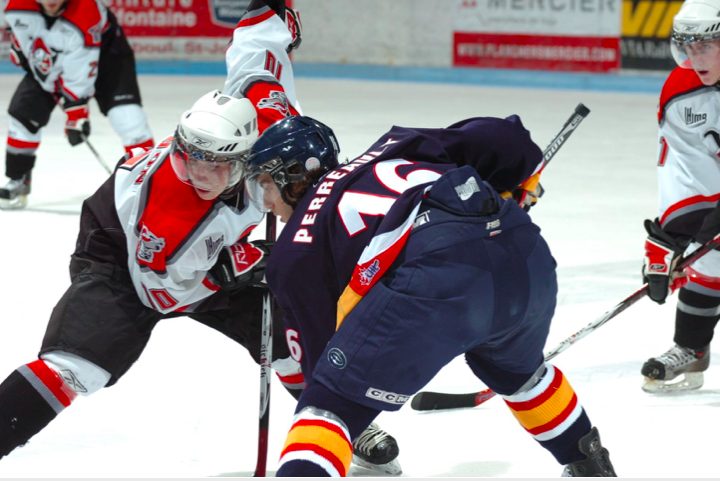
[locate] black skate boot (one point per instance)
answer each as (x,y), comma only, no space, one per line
(677,360)
(13,195)
(597,462)
(376,450)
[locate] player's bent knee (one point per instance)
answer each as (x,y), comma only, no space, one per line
(318,444)
(81,376)
(21,139)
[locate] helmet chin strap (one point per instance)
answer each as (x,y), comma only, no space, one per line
(285,198)
(231,192)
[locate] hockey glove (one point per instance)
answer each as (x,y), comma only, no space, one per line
(662,253)
(242,265)
(77,125)
(528,193)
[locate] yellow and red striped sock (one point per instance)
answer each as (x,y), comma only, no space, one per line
(318,444)
(551,413)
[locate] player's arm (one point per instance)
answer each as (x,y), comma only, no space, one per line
(259,66)
(299,282)
(77,81)
(17,56)
(664,249)
(500,150)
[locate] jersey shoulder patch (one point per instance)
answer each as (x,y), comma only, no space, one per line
(680,82)
(22,5)
(87,16)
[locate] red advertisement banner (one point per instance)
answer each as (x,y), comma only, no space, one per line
(536,52)
(179,29)
(181,18)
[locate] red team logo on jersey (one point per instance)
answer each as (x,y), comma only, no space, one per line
(42,59)
(278,101)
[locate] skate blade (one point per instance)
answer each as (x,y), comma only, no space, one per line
(392,468)
(19,202)
(689,381)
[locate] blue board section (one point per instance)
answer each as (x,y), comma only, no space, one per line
(650,84)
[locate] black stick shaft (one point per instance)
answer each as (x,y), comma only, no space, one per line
(570,125)
(265,367)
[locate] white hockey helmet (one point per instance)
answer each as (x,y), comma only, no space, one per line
(696,21)
(214,137)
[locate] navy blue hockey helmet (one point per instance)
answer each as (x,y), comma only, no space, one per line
(284,152)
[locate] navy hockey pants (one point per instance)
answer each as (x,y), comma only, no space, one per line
(454,290)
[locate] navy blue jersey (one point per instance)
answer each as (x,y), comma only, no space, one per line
(371,202)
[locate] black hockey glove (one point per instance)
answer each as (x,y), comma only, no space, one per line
(527,194)
(242,265)
(662,253)
(78,123)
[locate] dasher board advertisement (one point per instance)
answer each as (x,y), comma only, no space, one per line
(178,29)
(646,28)
(560,35)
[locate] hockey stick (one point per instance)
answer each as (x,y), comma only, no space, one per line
(572,123)
(428,401)
(568,128)
(95,152)
(265,367)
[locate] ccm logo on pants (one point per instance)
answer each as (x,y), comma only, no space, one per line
(387,397)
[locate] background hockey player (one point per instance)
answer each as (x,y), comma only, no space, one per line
(689,186)
(259,69)
(395,263)
(71,51)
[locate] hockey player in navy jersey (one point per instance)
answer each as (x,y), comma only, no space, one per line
(393,264)
(71,51)
(689,187)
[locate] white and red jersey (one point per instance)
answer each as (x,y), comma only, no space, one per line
(688,152)
(259,67)
(62,52)
(173,236)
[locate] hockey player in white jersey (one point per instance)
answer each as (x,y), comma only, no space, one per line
(165,237)
(71,50)
(689,184)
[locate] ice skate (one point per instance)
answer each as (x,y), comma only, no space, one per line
(596,463)
(376,450)
(13,195)
(660,371)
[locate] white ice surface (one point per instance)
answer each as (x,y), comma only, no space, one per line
(188,408)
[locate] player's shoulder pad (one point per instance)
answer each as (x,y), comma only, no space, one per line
(680,82)
(88,17)
(22,5)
